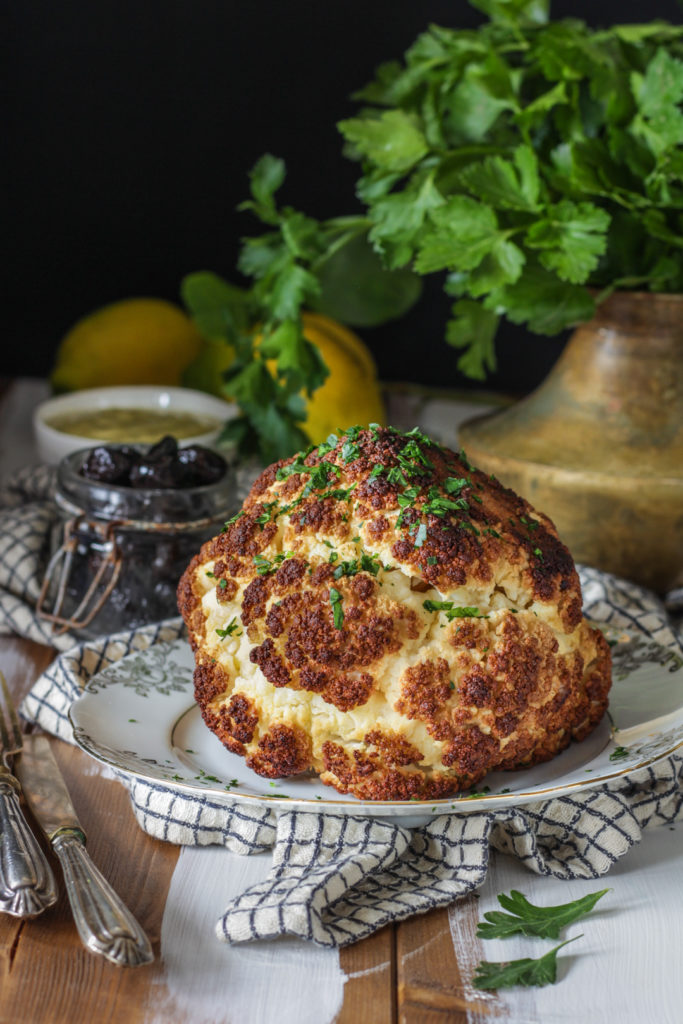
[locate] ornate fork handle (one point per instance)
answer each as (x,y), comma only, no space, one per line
(104,923)
(27,885)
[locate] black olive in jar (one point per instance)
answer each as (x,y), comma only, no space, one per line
(148,534)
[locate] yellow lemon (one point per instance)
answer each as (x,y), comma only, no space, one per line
(350,395)
(134,341)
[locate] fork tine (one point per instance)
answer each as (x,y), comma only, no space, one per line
(9,723)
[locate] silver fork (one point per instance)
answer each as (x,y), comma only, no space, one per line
(27,885)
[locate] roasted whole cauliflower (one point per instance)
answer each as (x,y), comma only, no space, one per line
(384,614)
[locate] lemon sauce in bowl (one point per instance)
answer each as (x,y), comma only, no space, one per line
(131,425)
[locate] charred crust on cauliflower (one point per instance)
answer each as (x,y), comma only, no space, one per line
(385,614)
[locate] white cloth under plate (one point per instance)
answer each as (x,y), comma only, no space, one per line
(335,880)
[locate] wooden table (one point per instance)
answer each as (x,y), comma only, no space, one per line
(626,968)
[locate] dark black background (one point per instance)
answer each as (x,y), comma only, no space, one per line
(131,127)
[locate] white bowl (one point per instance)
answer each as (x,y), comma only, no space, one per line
(53,444)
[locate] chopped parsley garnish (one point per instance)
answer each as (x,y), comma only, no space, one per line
(538,553)
(407,499)
(350,451)
(619,753)
(211,575)
(467,525)
(267,513)
(370,563)
(328,445)
(413,460)
(337,610)
(320,476)
(292,504)
(422,438)
(465,461)
(438,505)
(376,470)
(230,630)
(453,611)
(233,519)
(395,475)
(341,493)
(264,566)
(477,794)
(298,466)
(455,484)
(223,584)
(349,568)
(432,560)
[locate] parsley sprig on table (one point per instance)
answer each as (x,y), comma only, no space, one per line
(527,919)
(535,165)
(527,971)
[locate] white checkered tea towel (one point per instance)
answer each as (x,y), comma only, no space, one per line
(335,880)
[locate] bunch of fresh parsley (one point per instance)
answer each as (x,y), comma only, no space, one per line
(536,165)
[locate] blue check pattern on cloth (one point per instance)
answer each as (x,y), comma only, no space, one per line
(335,880)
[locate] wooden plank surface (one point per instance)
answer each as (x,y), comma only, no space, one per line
(431,986)
(46,973)
(370,992)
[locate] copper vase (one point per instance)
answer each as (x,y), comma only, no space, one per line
(599,445)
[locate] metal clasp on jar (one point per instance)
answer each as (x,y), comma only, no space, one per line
(60,566)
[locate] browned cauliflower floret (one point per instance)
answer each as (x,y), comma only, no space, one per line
(388,616)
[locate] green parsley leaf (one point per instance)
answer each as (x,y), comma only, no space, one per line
(453,611)
(337,610)
(526,972)
(392,141)
(370,563)
(572,237)
(265,178)
(232,629)
(547,304)
(349,568)
(526,919)
(229,522)
(473,328)
(512,184)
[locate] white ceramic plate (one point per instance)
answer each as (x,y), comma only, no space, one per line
(139,716)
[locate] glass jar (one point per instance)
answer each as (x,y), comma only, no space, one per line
(119,552)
